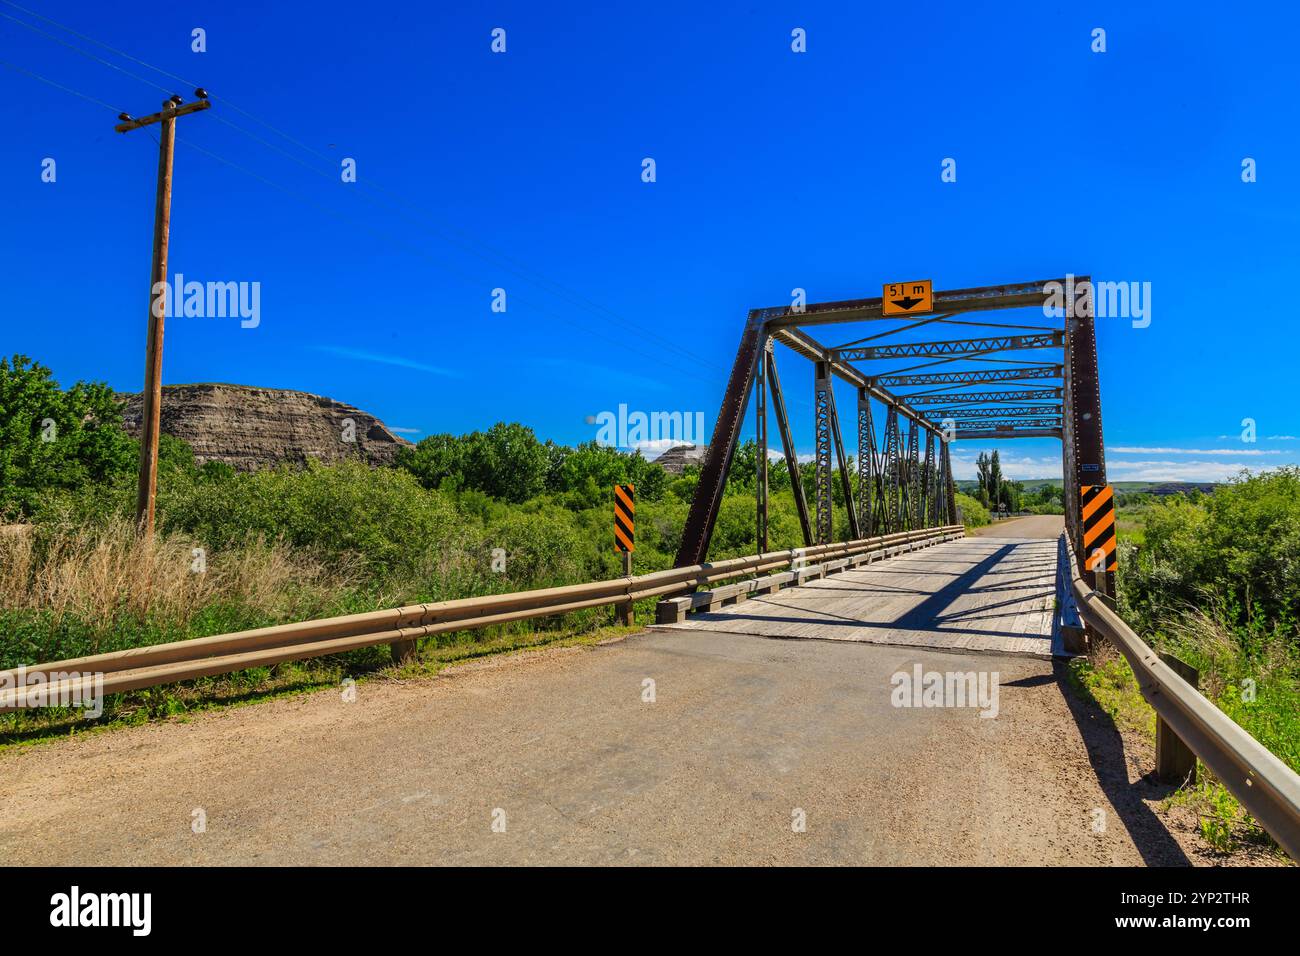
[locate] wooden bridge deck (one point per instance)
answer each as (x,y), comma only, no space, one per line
(975,594)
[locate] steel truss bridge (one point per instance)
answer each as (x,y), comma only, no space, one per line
(1034,378)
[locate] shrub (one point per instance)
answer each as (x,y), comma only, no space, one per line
(51,438)
(974,514)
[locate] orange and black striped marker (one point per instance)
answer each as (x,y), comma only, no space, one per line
(624,517)
(1098,525)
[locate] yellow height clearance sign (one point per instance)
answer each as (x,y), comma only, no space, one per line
(625,518)
(1098,503)
(908,298)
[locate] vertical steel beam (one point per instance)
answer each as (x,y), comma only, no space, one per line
(846,486)
(822,437)
(868,473)
(929,514)
(722,446)
(787,443)
(950,488)
(913,473)
(1084,461)
(760,434)
(893,477)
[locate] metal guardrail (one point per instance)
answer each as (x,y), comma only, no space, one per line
(1265,786)
(140,667)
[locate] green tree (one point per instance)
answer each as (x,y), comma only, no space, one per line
(436,459)
(982,478)
(52,438)
(507,462)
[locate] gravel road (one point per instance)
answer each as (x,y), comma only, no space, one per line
(745,737)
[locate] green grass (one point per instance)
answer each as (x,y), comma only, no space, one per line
(182,701)
(1272,717)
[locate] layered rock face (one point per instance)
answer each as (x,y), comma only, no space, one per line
(675,459)
(249,428)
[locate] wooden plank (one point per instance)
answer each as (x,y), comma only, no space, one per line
(984,594)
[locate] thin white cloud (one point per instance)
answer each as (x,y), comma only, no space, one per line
(1281,438)
(1015,467)
(405,431)
(653,449)
(1175,470)
(400,361)
(1141,450)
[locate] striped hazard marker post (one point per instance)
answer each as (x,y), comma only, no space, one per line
(625,542)
(1098,520)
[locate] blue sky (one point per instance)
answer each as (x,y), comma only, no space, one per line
(775,170)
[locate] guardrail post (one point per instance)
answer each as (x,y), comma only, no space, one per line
(403,651)
(1175,761)
(623,613)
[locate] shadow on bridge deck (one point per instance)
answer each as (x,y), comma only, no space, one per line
(988,594)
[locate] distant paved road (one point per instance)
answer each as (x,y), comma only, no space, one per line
(1033,526)
(744,732)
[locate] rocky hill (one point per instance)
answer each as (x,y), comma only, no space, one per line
(675,459)
(250,428)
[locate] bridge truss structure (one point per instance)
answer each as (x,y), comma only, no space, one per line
(1032,377)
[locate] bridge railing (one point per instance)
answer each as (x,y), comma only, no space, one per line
(1265,786)
(80,679)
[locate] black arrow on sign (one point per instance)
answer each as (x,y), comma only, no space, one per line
(908,303)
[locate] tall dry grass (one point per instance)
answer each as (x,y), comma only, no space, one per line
(99,574)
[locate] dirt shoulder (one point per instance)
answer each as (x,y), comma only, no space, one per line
(561,756)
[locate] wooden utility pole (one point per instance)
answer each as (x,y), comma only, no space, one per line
(149,422)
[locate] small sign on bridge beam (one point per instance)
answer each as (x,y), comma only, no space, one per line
(1097,503)
(908,298)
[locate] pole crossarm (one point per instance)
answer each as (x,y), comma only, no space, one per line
(1000,343)
(171,113)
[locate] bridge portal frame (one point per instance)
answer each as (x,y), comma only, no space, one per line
(896,489)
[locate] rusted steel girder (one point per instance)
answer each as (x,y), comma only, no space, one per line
(722,446)
(980,398)
(952,301)
(822,453)
(912,472)
(893,473)
(869,490)
(1011,411)
(1085,455)
(950,487)
(787,444)
(962,347)
(969,377)
(760,434)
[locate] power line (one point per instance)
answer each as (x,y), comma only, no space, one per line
(465,241)
(77,49)
(320,206)
(60,86)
